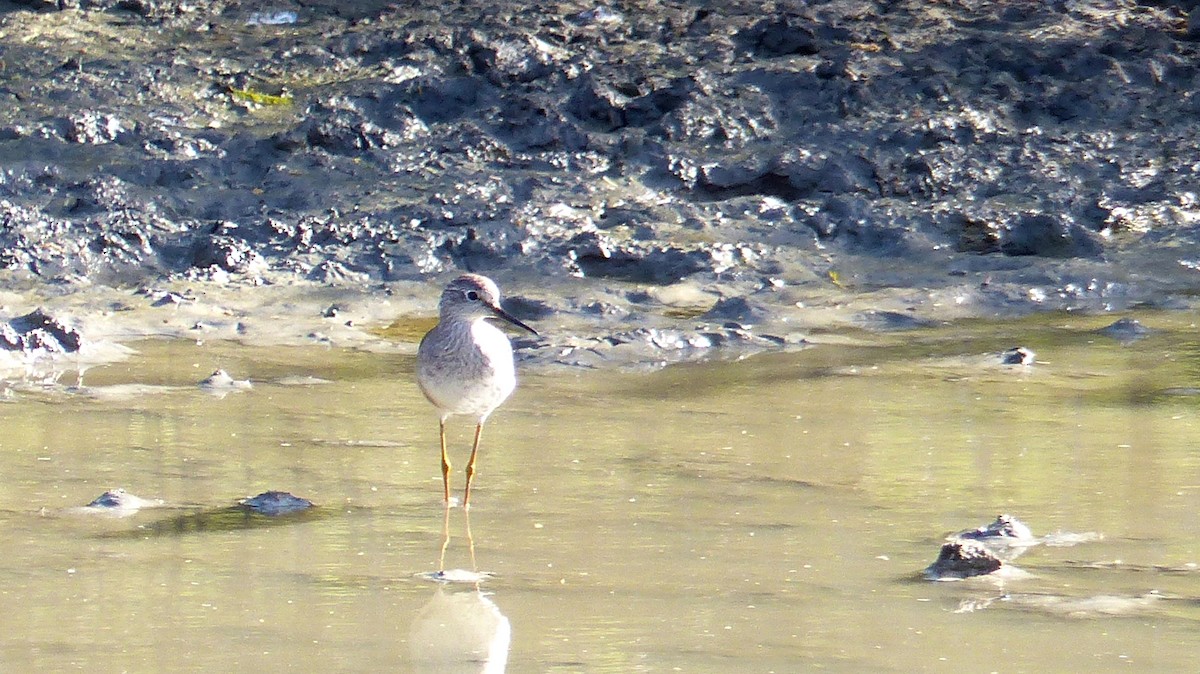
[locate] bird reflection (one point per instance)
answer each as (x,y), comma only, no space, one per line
(460,629)
(446,538)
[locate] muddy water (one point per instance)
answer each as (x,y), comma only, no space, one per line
(769,515)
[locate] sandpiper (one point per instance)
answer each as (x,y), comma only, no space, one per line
(465,364)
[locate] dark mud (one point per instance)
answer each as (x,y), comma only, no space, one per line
(649,181)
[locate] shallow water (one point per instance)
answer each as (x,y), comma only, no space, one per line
(769,515)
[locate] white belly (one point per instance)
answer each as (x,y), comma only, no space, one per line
(467,376)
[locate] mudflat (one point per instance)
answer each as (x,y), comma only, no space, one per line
(668,181)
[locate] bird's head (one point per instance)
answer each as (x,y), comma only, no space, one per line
(471,297)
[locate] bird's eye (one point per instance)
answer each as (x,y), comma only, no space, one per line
(472,295)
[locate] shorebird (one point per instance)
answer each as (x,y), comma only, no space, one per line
(465,364)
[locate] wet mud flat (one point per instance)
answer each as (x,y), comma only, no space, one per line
(665,181)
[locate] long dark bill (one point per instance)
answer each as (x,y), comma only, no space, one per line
(500,313)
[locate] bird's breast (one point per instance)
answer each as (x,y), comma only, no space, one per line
(469,371)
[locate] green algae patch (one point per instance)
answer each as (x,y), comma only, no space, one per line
(407,329)
(259,98)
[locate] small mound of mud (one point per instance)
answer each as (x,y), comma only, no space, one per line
(275,503)
(117,503)
(1004,527)
(963,559)
(38,331)
(1126,330)
(220,383)
(1018,355)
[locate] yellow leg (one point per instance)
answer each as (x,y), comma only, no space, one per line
(471,464)
(445,463)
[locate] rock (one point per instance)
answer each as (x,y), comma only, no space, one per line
(1017,355)
(274,503)
(119,501)
(1126,330)
(963,559)
(221,383)
(37,331)
(1004,527)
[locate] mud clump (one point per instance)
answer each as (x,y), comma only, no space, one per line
(37,331)
(963,559)
(275,503)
